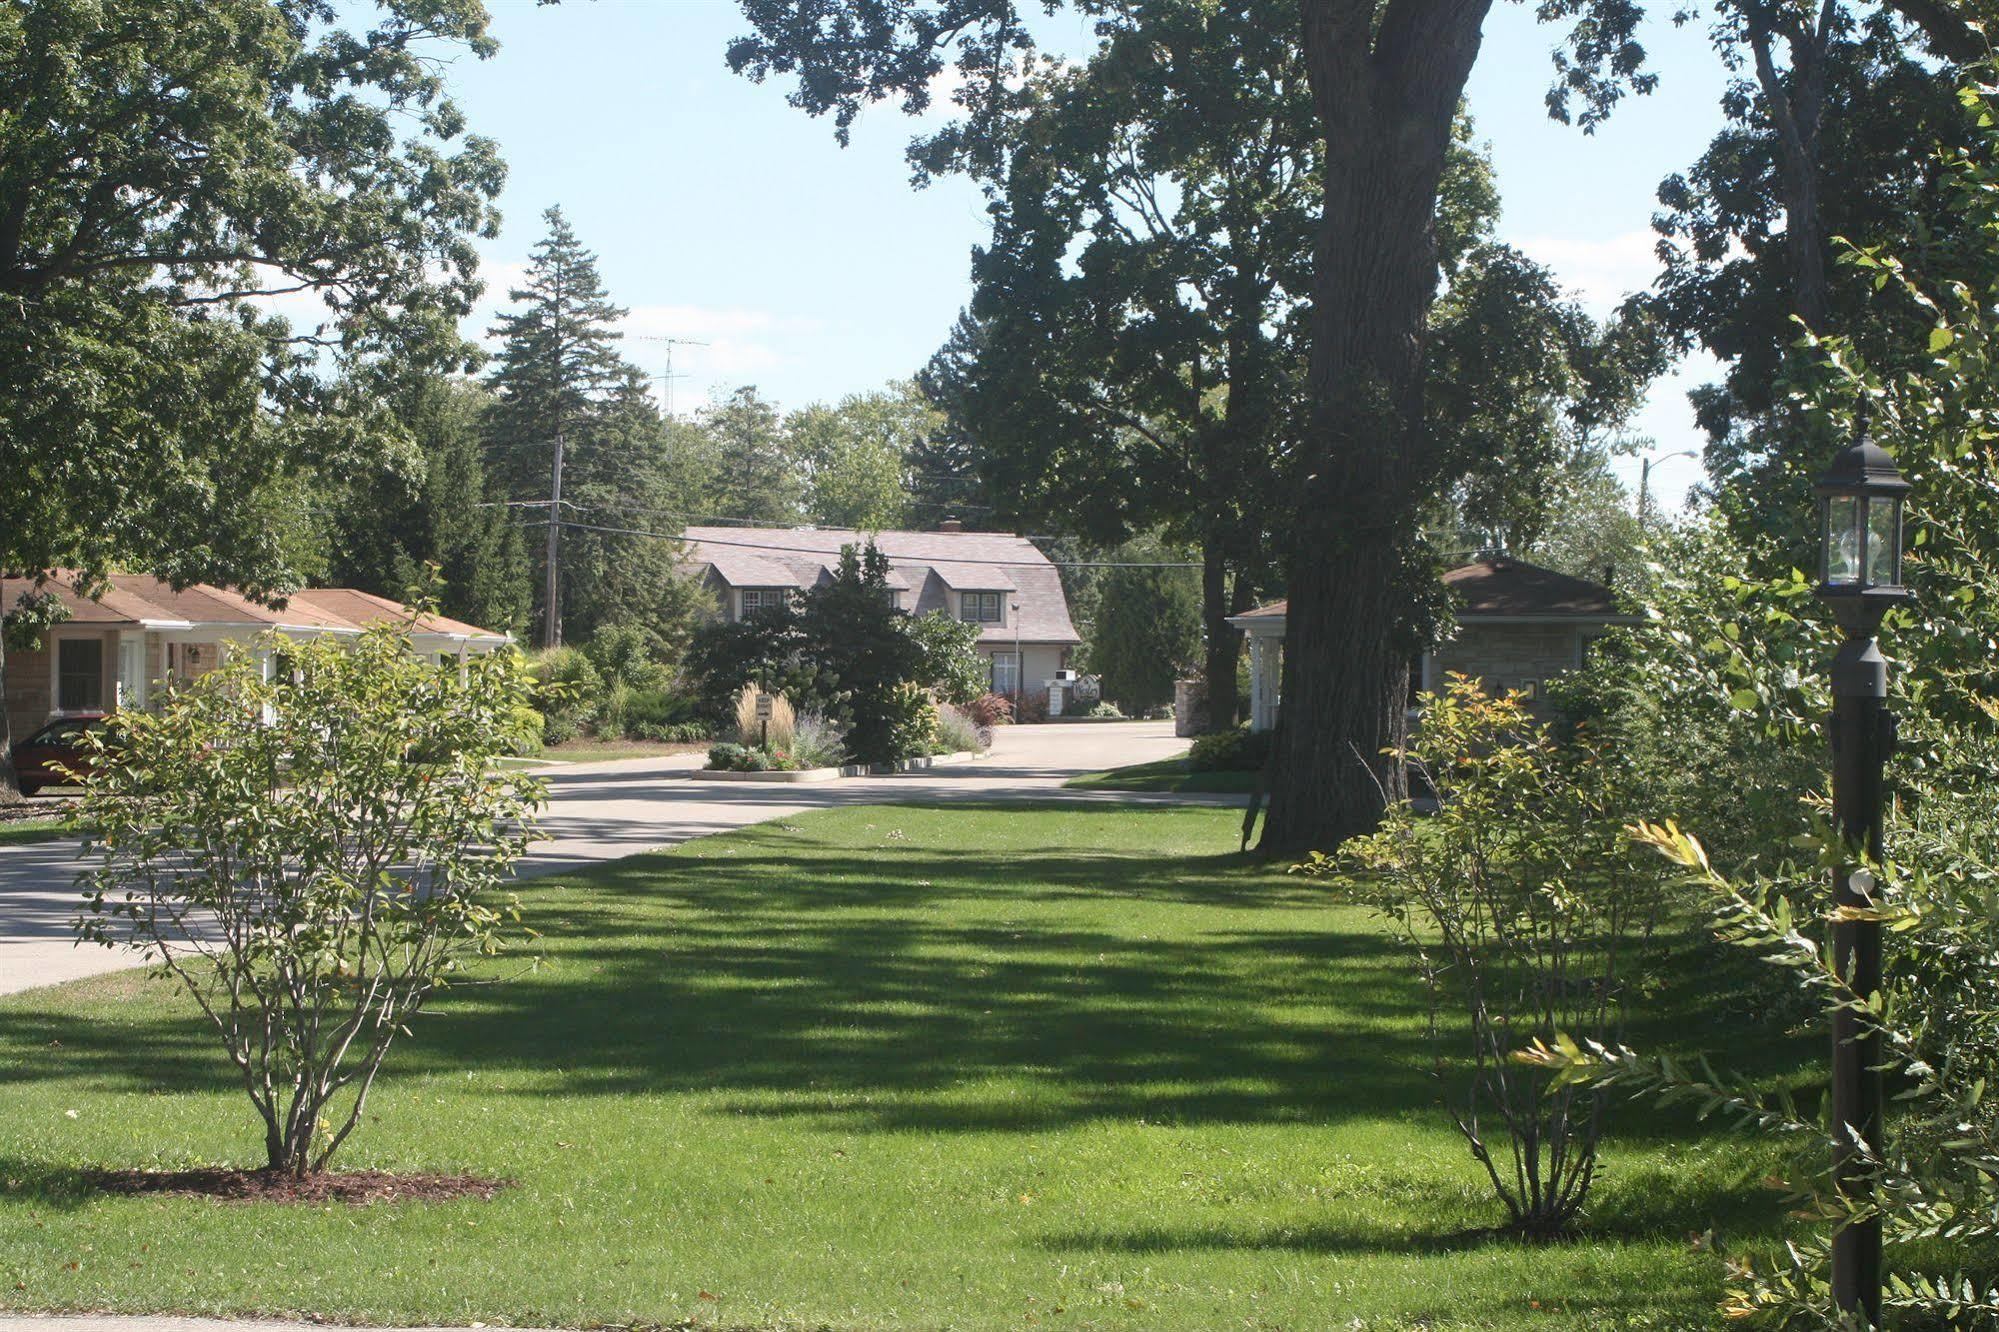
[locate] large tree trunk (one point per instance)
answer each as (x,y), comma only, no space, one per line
(10,784)
(1224,641)
(1797,109)
(1387,96)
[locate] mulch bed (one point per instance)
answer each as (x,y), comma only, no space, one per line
(357,1188)
(44,807)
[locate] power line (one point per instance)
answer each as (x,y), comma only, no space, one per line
(892,559)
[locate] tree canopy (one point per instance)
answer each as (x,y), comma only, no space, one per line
(163,168)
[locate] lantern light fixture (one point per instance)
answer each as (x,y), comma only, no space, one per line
(1860,555)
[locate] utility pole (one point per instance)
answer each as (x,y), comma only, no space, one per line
(1645,480)
(551,628)
(551,624)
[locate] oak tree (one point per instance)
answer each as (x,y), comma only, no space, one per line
(167,169)
(1386,79)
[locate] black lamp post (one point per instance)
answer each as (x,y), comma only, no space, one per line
(1860,571)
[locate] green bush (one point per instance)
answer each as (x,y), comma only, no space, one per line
(1240,750)
(568,691)
(623,654)
(731,757)
(1077,707)
(903,725)
(660,714)
(313,915)
(1524,900)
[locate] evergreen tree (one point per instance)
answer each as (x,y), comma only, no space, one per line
(432,507)
(621,477)
(557,367)
(757,476)
(1146,627)
(559,382)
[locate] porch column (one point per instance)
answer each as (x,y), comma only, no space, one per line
(130,689)
(1262,683)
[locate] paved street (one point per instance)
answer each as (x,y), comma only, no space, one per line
(604,811)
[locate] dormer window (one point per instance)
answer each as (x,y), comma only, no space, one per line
(763,598)
(980,608)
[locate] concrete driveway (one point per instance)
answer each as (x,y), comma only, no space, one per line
(605,811)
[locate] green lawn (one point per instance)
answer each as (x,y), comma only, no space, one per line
(16,832)
(1164,775)
(879,1068)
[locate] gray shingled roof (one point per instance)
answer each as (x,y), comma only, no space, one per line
(934,564)
(1506,588)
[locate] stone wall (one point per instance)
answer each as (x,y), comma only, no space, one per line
(1507,656)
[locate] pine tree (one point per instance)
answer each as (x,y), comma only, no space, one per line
(557,368)
(622,476)
(433,507)
(757,476)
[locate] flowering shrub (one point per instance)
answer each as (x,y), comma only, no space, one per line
(748,758)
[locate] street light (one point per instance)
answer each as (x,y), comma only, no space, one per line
(1860,577)
(1645,466)
(1019,666)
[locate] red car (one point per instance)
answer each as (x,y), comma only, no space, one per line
(47,757)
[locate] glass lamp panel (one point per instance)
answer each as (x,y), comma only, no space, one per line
(1884,542)
(1842,539)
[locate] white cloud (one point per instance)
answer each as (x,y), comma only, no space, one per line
(724,347)
(1602,271)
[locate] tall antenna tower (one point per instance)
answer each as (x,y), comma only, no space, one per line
(666,380)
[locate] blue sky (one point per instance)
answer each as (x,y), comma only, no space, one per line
(721,214)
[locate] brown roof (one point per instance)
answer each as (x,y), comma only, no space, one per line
(137,599)
(353,606)
(1503,587)
(933,563)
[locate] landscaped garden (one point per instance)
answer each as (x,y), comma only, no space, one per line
(893,1067)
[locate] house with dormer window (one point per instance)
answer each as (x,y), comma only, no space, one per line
(996,580)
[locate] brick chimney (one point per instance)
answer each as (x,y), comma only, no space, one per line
(950,525)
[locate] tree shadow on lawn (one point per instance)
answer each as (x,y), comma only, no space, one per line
(865,989)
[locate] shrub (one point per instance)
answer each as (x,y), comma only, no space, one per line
(817,742)
(1935,1174)
(1240,750)
(1032,708)
(749,758)
(661,715)
(313,857)
(990,710)
(625,654)
(569,693)
(776,730)
(950,664)
(1523,897)
(955,732)
(1076,707)
(905,726)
